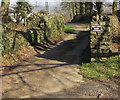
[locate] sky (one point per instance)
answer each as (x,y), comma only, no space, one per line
(37,2)
(54,2)
(63,0)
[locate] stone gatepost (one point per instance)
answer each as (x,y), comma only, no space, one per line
(100,38)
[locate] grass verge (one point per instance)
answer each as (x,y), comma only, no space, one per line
(102,70)
(69,28)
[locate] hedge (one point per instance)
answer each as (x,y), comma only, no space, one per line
(39,28)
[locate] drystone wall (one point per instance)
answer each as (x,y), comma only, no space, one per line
(102,42)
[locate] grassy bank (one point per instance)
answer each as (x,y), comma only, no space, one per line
(69,28)
(102,70)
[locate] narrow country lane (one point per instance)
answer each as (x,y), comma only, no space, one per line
(55,73)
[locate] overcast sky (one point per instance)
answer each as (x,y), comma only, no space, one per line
(53,2)
(37,2)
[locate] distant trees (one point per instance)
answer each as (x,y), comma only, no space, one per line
(115,6)
(5,4)
(4,10)
(80,8)
(22,9)
(68,7)
(119,4)
(88,7)
(47,6)
(77,8)
(99,6)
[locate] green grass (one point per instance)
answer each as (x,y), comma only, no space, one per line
(69,28)
(104,69)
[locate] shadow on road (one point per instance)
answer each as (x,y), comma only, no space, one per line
(41,67)
(68,52)
(73,51)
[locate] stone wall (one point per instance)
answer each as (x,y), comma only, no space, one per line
(102,42)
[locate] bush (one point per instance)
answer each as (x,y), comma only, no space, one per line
(51,25)
(15,36)
(12,41)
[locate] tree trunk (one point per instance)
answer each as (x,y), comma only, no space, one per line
(99,8)
(81,8)
(76,8)
(73,9)
(86,7)
(114,6)
(47,6)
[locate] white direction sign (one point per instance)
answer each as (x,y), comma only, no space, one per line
(96,28)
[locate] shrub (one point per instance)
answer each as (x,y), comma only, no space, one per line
(15,37)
